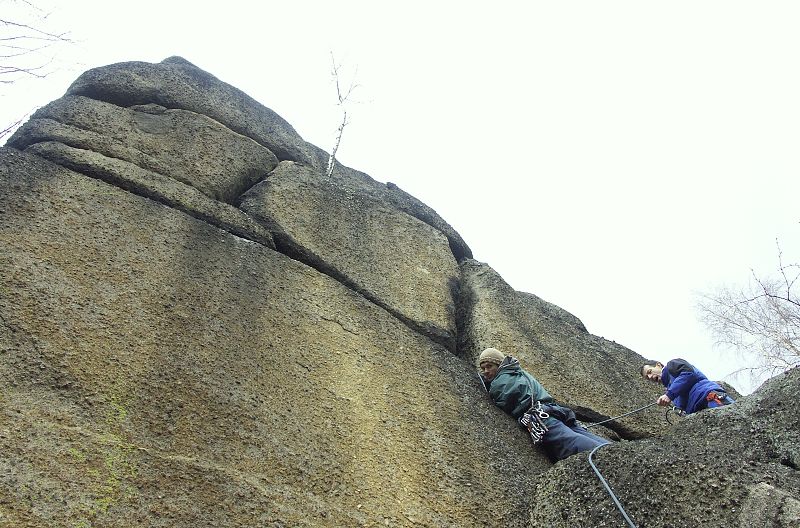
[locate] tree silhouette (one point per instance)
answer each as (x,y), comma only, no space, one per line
(27,46)
(760,321)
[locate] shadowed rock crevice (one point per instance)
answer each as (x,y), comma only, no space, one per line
(175,83)
(611,429)
(183,145)
(196,345)
(390,257)
(580,370)
(411,205)
(289,247)
(156,187)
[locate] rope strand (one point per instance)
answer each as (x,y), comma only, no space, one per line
(622,415)
(608,488)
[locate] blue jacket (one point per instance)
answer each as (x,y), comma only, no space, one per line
(687,387)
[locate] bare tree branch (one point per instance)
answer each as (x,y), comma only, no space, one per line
(343,98)
(37,33)
(24,42)
(761,321)
(8,129)
(27,46)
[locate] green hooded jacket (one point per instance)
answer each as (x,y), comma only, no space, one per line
(514,390)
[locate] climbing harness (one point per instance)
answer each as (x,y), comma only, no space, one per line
(622,415)
(719,397)
(608,488)
(534,422)
(715,397)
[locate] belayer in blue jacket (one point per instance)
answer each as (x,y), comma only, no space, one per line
(687,388)
(519,394)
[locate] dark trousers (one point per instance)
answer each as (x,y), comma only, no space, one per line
(562,440)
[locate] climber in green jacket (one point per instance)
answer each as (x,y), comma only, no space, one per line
(519,394)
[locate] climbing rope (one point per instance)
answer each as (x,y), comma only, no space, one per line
(591,453)
(483,383)
(608,488)
(622,415)
(600,475)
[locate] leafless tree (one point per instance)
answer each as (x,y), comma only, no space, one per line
(344,98)
(761,321)
(26,45)
(25,40)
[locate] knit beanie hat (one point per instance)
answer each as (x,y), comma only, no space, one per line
(492,355)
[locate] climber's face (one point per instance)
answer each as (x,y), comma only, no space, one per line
(652,372)
(488,370)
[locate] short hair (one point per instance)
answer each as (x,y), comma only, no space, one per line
(645,365)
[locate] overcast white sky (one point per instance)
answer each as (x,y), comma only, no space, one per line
(614,158)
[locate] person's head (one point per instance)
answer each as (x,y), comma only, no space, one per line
(488,362)
(652,371)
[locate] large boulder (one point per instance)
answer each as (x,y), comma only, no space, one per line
(188,339)
(185,146)
(178,84)
(175,83)
(392,258)
(156,187)
(158,370)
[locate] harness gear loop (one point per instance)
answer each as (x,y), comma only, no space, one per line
(534,421)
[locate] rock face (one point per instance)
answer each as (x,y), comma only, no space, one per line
(199,328)
(596,377)
(188,147)
(733,466)
(356,238)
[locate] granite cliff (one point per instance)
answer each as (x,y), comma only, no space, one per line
(198,327)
